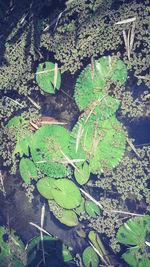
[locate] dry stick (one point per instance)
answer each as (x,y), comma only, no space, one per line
(94,141)
(79,135)
(100,255)
(15,101)
(45,71)
(33,102)
(92,69)
(55,75)
(128,44)
(72,164)
(133,147)
(143,77)
(41,233)
(40,228)
(132,35)
(126,21)
(2,183)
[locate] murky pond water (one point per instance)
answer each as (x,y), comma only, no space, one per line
(83,184)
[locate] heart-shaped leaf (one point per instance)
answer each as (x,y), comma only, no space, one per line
(92,209)
(44,187)
(90,257)
(28,170)
(48,77)
(66,193)
(82,174)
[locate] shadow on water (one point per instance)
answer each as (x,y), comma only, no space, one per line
(23,16)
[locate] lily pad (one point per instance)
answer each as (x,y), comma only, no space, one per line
(92,209)
(90,258)
(136,231)
(82,175)
(46,147)
(28,170)
(44,187)
(68,218)
(66,193)
(48,77)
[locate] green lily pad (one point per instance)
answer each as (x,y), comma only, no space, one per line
(28,170)
(46,78)
(83,174)
(90,258)
(46,147)
(92,209)
(136,231)
(68,218)
(66,193)
(44,187)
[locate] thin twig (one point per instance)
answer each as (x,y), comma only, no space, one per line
(125,21)
(133,147)
(33,102)
(41,233)
(101,256)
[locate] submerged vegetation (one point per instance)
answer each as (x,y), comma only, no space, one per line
(93,174)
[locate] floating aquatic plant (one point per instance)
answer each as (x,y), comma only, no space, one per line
(82,174)
(92,80)
(92,209)
(63,191)
(28,170)
(46,147)
(48,77)
(90,258)
(101,142)
(65,216)
(12,249)
(136,232)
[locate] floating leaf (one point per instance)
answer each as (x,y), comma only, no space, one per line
(68,218)
(83,174)
(133,232)
(27,170)
(80,210)
(136,231)
(66,193)
(46,147)
(47,77)
(90,258)
(97,243)
(44,187)
(11,249)
(22,146)
(92,209)
(89,88)
(102,143)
